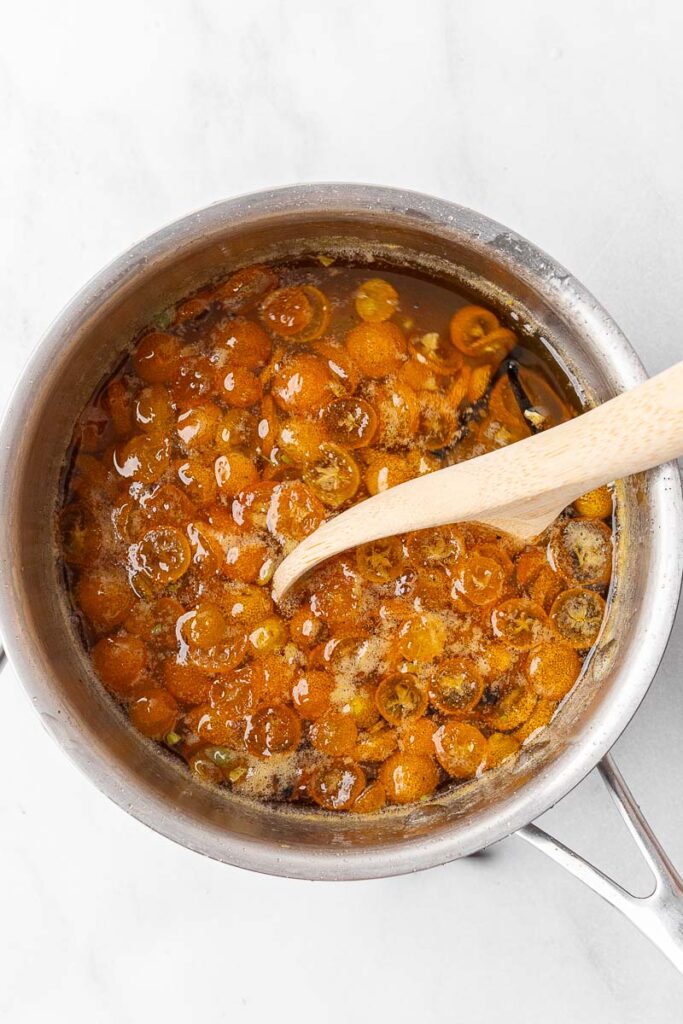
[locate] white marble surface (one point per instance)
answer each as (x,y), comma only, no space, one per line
(115,119)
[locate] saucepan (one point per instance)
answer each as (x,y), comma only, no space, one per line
(491,264)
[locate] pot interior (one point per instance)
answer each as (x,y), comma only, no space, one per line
(477,257)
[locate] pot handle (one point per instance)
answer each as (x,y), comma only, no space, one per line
(659,915)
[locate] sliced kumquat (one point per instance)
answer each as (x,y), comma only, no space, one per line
(479,580)
(479,383)
(305,628)
(162,556)
(273,729)
(294,512)
(552,669)
(157,358)
(245,288)
(460,749)
(380,561)
(345,373)
(81,535)
(421,377)
(300,439)
(155,623)
(195,382)
(546,588)
(436,352)
(311,693)
(398,413)
(577,616)
(186,682)
(197,480)
(350,422)
(269,635)
(205,626)
(422,638)
(192,309)
(119,661)
(438,546)
(417,737)
(334,734)
(408,777)
(385,470)
(361,705)
(246,342)
(528,565)
(240,387)
(538,719)
(333,476)
(377,349)
(303,385)
(581,551)
(337,785)
(470,326)
(519,622)
(401,698)
(118,401)
(105,598)
(143,460)
(438,423)
(299,313)
(595,504)
(456,686)
(500,748)
(196,428)
(237,428)
(513,708)
(376,300)
(234,472)
(154,713)
(372,799)
(376,745)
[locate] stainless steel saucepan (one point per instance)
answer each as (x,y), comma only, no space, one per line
(492,263)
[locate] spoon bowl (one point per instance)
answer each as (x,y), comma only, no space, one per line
(520,489)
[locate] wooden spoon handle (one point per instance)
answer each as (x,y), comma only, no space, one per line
(521,488)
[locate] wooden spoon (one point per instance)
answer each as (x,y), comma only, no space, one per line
(520,489)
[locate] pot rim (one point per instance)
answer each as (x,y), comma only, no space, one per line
(564,293)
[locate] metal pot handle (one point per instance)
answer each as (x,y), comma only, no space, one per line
(659,915)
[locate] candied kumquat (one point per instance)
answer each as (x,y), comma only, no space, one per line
(456,686)
(408,777)
(154,713)
(337,785)
(519,622)
(334,734)
(595,504)
(350,422)
(273,729)
(581,551)
(401,698)
(460,749)
(246,417)
(376,300)
(333,476)
(157,358)
(119,661)
(377,349)
(246,343)
(577,615)
(552,669)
